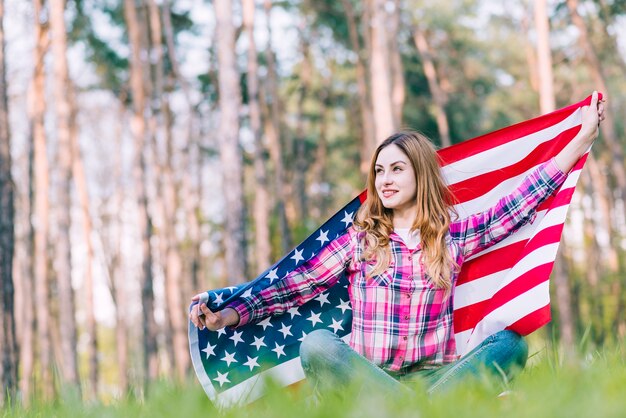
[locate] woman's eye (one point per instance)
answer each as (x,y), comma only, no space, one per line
(396,169)
(378,170)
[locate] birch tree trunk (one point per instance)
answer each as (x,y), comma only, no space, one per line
(27,284)
(8,343)
(41,205)
(63,112)
(261,195)
(366,126)
(80,179)
(380,72)
(440,98)
(230,152)
(138,127)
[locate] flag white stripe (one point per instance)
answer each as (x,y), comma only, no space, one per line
(195,350)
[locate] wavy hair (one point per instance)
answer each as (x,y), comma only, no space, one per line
(434,206)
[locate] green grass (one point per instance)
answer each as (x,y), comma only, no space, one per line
(592,386)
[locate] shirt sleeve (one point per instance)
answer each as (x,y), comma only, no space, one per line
(299,286)
(482,230)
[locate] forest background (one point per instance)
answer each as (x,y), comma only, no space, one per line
(151,149)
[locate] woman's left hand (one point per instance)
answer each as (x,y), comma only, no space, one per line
(593,115)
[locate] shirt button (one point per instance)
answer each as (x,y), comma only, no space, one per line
(408,295)
(405,338)
(406,317)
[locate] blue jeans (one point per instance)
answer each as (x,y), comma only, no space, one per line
(331,364)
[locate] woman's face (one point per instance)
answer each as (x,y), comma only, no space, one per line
(395,179)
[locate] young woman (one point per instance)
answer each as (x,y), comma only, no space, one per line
(402,257)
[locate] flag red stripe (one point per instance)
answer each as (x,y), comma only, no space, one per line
(477,186)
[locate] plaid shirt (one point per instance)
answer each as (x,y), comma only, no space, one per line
(400,320)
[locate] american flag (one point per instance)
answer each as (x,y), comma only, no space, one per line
(503,287)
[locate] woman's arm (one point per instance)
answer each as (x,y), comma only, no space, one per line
(589,130)
(295,289)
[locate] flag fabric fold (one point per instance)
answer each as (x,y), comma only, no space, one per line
(503,287)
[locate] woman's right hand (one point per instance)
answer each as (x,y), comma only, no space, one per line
(202,317)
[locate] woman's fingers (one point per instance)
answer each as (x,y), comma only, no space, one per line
(194,316)
(211,320)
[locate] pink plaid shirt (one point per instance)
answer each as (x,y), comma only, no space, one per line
(400,320)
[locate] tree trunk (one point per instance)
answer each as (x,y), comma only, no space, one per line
(27,285)
(138,127)
(41,204)
(67,321)
(299,178)
(321,197)
(398,89)
(547,105)
(440,98)
(544,58)
(616,154)
(380,72)
(80,178)
(273,134)
(563,302)
(173,264)
(261,195)
(8,343)
(191,201)
(366,127)
(230,152)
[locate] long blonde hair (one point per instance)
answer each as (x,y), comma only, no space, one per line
(434,204)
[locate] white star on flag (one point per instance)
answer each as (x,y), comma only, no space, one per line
(323,237)
(336,326)
(285,330)
(218,299)
(347,217)
(231,288)
(209,350)
(272,275)
(222,378)
(297,256)
(237,337)
(279,350)
(247,293)
(229,358)
(221,331)
(322,299)
(315,318)
(258,342)
(294,311)
(266,323)
(344,306)
(252,362)
(304,334)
